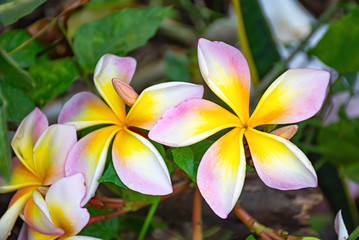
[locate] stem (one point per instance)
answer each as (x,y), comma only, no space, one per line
(24,44)
(354,235)
(242,36)
(197,216)
(254,225)
(104,217)
(148,220)
(133,206)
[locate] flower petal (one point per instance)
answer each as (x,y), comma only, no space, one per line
(20,177)
(108,67)
(50,151)
(221,173)
(30,129)
(88,157)
(28,233)
(84,110)
(82,238)
(139,165)
(286,132)
(37,216)
(296,95)
(279,163)
(191,121)
(8,220)
(155,100)
(226,72)
(64,202)
(339,226)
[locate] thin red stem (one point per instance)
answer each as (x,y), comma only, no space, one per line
(197,216)
(127,207)
(254,225)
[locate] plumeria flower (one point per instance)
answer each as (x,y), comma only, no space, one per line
(295,96)
(137,162)
(58,215)
(40,152)
(339,227)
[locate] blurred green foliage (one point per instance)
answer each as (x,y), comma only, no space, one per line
(339,47)
(116,33)
(12,10)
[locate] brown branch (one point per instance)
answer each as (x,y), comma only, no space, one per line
(254,225)
(197,216)
(125,207)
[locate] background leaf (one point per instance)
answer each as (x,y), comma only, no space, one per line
(117,33)
(52,78)
(110,175)
(339,46)
(260,39)
(177,67)
(26,57)
(12,10)
(188,158)
(184,158)
(5,157)
(105,230)
(12,73)
(18,103)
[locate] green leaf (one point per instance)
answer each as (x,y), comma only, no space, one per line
(346,139)
(339,46)
(354,235)
(26,57)
(12,73)
(5,157)
(132,196)
(188,158)
(250,237)
(199,149)
(12,10)
(159,148)
(351,171)
(106,230)
(52,78)
(171,166)
(184,158)
(260,39)
(110,175)
(177,67)
(18,103)
(117,33)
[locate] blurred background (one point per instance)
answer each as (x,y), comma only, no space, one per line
(48,51)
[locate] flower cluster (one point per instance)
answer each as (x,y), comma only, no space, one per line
(56,175)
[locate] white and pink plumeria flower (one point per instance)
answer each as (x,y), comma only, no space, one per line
(41,153)
(58,214)
(339,227)
(137,162)
(296,95)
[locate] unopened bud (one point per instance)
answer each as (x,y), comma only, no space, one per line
(286,132)
(125,91)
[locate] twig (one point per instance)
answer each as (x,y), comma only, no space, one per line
(197,216)
(132,206)
(104,217)
(148,219)
(242,36)
(254,225)
(39,33)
